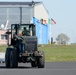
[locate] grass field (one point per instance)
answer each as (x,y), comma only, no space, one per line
(55,53)
(2,48)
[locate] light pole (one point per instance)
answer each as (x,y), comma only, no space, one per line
(20,15)
(33,4)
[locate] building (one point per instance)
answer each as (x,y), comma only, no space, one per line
(21,12)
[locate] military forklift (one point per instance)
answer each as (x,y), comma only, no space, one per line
(23,47)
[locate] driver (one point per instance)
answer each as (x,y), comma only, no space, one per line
(25,32)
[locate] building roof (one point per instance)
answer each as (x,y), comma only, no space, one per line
(18,3)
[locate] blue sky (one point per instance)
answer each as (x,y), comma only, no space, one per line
(64,13)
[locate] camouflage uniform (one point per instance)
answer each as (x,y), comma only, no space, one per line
(25,32)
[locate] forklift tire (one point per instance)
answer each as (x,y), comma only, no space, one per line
(7,57)
(41,60)
(14,59)
(34,64)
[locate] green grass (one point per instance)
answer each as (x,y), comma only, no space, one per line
(55,53)
(59,53)
(3,48)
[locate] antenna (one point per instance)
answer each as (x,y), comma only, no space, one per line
(6,24)
(7,19)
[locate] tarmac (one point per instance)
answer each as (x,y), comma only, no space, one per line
(51,68)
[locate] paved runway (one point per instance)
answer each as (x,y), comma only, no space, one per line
(52,68)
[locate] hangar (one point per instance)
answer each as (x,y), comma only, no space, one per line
(24,12)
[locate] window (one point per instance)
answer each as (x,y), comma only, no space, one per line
(4,37)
